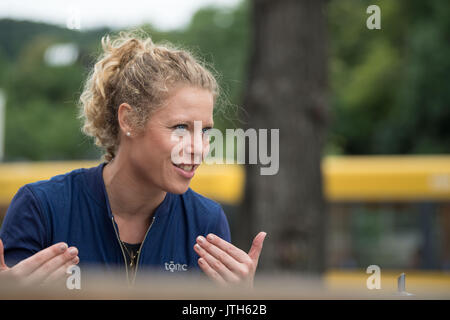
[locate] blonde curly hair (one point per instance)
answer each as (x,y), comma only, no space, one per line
(134,70)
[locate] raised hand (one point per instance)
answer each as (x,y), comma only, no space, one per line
(226,264)
(46,266)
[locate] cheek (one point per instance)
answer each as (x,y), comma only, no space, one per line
(159,144)
(205,147)
(150,152)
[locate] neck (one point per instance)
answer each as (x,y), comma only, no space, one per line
(130,197)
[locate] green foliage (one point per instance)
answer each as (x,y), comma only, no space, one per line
(389,88)
(45,131)
(41,112)
(41,100)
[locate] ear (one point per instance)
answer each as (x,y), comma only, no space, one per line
(124,116)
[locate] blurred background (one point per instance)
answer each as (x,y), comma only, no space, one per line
(364,119)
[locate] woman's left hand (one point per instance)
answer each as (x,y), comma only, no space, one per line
(226,264)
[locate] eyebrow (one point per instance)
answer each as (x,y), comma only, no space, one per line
(191,122)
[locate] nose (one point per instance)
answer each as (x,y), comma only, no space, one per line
(194,148)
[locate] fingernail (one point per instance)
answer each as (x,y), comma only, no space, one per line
(200,239)
(73,251)
(210,237)
(63,247)
(197,247)
(200,261)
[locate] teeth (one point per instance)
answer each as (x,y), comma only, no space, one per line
(185,167)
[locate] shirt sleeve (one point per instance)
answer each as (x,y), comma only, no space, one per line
(23,230)
(222,228)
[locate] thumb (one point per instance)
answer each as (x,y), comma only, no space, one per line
(2,258)
(257,245)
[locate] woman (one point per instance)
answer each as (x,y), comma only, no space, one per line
(136,209)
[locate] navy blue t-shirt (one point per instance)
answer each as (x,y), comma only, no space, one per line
(74,208)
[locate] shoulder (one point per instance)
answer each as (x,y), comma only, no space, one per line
(28,217)
(60,189)
(200,203)
(197,198)
(207,214)
(62,182)
(57,181)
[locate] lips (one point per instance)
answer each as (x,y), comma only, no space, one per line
(185,167)
(185,170)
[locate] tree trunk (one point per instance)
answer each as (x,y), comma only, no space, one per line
(286,90)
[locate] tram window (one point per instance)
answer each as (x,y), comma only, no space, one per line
(391,235)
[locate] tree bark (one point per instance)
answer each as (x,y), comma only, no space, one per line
(286,89)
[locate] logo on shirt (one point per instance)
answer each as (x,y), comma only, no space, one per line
(172,267)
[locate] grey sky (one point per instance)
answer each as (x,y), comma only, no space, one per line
(164,14)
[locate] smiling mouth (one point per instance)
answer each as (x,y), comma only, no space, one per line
(186,167)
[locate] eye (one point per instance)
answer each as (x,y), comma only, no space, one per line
(206,130)
(180,127)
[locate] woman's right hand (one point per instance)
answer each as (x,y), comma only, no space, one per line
(44,267)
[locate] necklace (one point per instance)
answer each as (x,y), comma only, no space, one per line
(131,254)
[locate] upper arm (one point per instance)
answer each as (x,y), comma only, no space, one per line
(23,230)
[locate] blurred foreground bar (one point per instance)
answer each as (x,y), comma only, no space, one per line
(97,286)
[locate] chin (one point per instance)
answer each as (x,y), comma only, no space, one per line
(178,189)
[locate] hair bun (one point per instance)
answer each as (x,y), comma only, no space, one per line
(124,48)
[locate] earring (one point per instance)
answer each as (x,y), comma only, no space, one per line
(128,133)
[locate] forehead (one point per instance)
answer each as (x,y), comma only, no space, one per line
(187,104)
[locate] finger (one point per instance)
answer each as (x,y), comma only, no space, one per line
(230,263)
(61,272)
(52,265)
(3,265)
(257,245)
(211,273)
(227,247)
(27,266)
(215,264)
